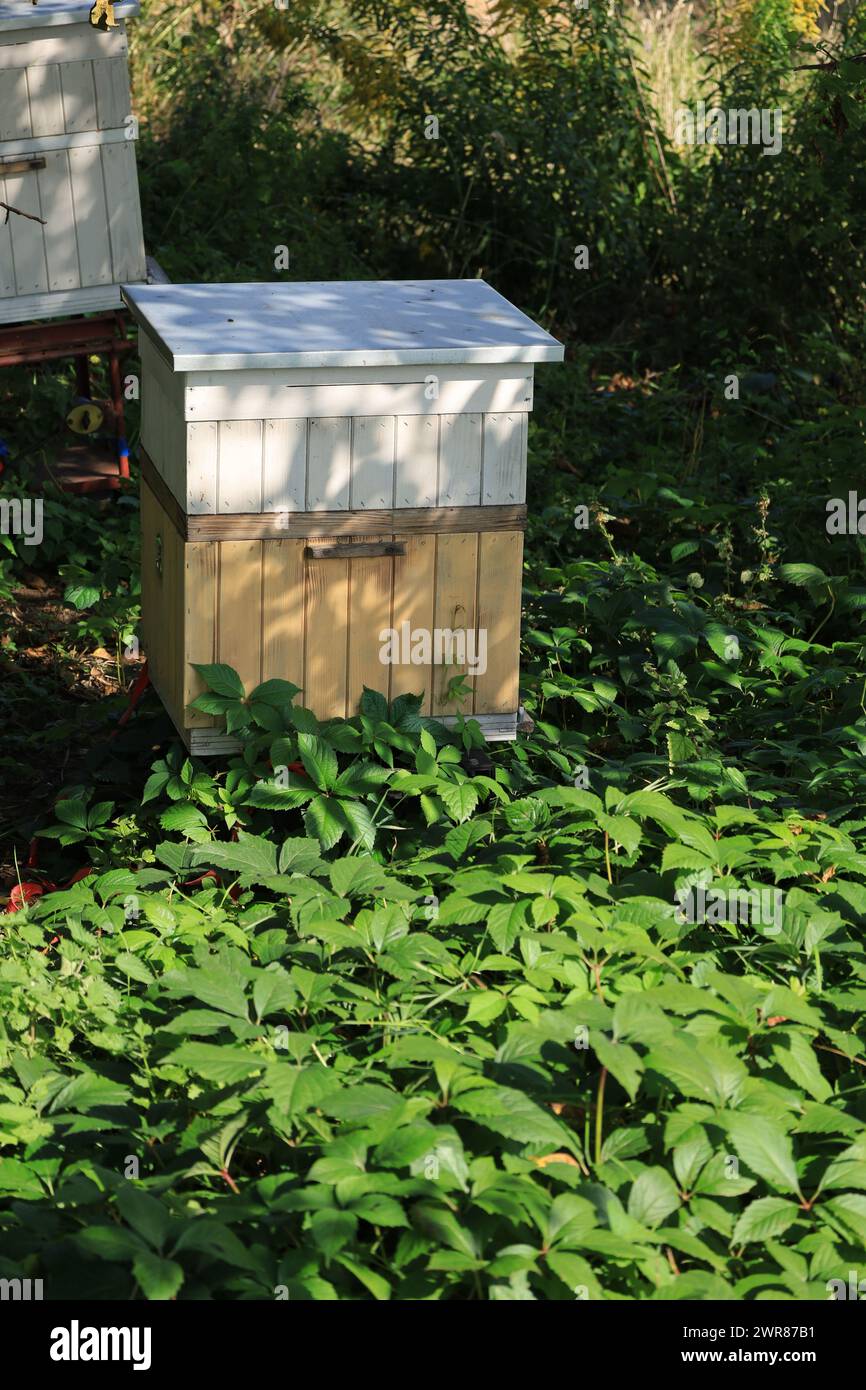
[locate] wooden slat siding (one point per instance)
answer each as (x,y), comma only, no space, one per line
(500,583)
(79,96)
(14,106)
(150,601)
(326,637)
(504,459)
(175,575)
(239,474)
(456,574)
(373,444)
(284,465)
(478,561)
(239,633)
(162,603)
(73,43)
(413,602)
(200,618)
(91,215)
(113,101)
(283,580)
(371,587)
(28,242)
(460,460)
(61,250)
(124,211)
(163,432)
(153,408)
(168,501)
(349,463)
(269,612)
(416,462)
(329,454)
(7,260)
(46,100)
(201,454)
(278,526)
(238,400)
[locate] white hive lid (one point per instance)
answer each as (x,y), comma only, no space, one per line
(22,14)
(336,323)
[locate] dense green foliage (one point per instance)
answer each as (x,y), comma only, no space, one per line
(359,1014)
(490,1061)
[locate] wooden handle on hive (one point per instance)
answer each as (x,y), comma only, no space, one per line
(363,550)
(21,166)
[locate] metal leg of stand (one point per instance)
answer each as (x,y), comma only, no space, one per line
(82,377)
(120,424)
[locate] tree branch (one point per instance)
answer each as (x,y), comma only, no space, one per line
(32,215)
(831,65)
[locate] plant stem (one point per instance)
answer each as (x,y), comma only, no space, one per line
(599,1114)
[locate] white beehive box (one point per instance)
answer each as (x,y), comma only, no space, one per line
(326,461)
(67,144)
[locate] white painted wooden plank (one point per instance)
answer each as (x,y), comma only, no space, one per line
(61,251)
(163,431)
(174,445)
(113,101)
(284,477)
(46,100)
(277,379)
(54,304)
(30,49)
(28,242)
(18,14)
(153,365)
(153,410)
(7,261)
(460,442)
(504,460)
(239,470)
(91,215)
(124,212)
(329,453)
(373,446)
(242,402)
(14,106)
(38,144)
(202,444)
(79,96)
(416,463)
(363,323)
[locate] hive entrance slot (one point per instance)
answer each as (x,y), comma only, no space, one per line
(347,551)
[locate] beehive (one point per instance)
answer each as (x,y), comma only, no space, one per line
(330,472)
(67,155)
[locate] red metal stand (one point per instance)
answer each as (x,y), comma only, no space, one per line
(25,344)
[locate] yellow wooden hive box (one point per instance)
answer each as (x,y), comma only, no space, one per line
(334,491)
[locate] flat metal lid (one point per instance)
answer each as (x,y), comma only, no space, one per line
(22,14)
(336,323)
